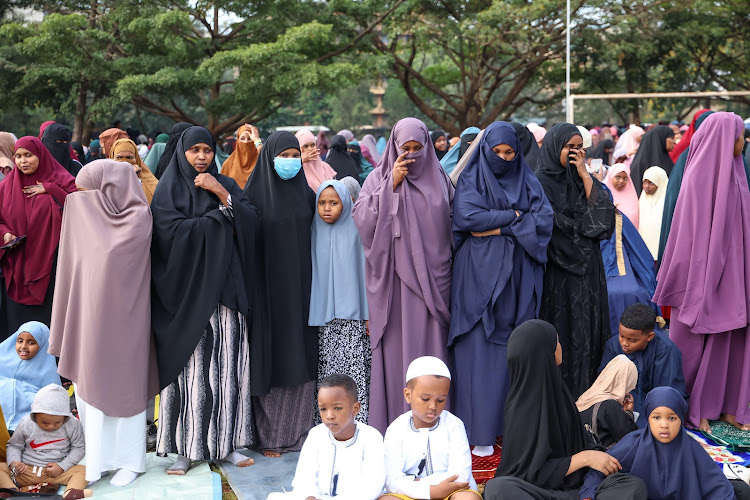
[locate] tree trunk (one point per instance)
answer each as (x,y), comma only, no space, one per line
(81,109)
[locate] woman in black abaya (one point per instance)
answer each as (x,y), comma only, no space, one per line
(205,311)
(574,297)
(341,161)
(279,189)
(546,450)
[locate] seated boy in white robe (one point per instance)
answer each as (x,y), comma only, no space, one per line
(341,458)
(427,453)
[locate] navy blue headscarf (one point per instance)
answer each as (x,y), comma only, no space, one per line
(678,469)
(488,193)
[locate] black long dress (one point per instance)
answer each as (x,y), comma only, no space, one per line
(574,297)
(542,429)
(285,414)
(612,422)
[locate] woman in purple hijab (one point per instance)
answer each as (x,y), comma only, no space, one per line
(705,275)
(403,214)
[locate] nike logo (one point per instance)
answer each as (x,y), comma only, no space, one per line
(34,445)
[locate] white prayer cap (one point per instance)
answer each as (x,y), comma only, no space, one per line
(427,365)
(586,136)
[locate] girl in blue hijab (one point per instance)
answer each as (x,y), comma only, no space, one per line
(338,297)
(25,367)
(502,223)
(671,463)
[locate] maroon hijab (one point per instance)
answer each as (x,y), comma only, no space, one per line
(406,231)
(28,267)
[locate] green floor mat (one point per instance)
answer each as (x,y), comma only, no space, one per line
(199,483)
(729,435)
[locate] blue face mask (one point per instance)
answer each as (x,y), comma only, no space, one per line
(287,167)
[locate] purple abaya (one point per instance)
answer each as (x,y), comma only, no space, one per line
(705,273)
(406,235)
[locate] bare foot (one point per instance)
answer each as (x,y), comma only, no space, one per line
(730,419)
(271,453)
(704,426)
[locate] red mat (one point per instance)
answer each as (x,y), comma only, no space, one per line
(483,468)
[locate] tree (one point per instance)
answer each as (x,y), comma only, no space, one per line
(471,62)
(234,73)
(59,63)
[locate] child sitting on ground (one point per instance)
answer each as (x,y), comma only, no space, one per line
(607,406)
(341,458)
(47,446)
(427,452)
(671,463)
(658,360)
(25,367)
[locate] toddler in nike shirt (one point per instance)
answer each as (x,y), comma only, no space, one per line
(46,447)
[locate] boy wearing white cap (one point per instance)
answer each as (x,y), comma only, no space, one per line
(427,453)
(47,446)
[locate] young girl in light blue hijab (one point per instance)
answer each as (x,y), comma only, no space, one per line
(338,298)
(25,367)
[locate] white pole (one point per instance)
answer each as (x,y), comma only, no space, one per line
(568,107)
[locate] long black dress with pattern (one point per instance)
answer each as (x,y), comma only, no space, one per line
(574,297)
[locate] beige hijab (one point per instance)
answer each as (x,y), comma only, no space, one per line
(618,378)
(101,314)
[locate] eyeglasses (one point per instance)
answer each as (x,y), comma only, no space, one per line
(574,148)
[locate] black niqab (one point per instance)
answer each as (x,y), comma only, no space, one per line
(60,150)
(651,153)
(201,258)
(169,149)
(542,428)
(340,160)
(466,141)
(288,207)
(528,143)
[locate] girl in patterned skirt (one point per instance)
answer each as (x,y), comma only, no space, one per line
(338,299)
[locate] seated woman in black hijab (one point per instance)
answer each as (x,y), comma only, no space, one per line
(546,450)
(204,308)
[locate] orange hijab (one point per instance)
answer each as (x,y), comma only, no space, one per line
(148,180)
(241,162)
(108,137)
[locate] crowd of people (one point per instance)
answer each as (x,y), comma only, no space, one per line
(577,294)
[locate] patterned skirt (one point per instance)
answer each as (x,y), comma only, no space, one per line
(345,349)
(206,413)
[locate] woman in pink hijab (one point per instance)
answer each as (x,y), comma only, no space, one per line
(623,191)
(316,170)
(628,144)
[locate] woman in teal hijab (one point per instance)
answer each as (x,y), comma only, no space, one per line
(451,158)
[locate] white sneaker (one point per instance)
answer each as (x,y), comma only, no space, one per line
(737,471)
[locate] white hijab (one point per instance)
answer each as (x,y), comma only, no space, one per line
(651,209)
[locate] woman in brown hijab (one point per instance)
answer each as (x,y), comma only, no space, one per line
(108,138)
(241,162)
(101,318)
(125,150)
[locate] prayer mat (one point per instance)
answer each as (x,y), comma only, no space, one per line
(483,468)
(268,475)
(729,435)
(155,484)
(720,453)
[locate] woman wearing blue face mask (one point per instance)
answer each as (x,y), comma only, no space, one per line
(279,189)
